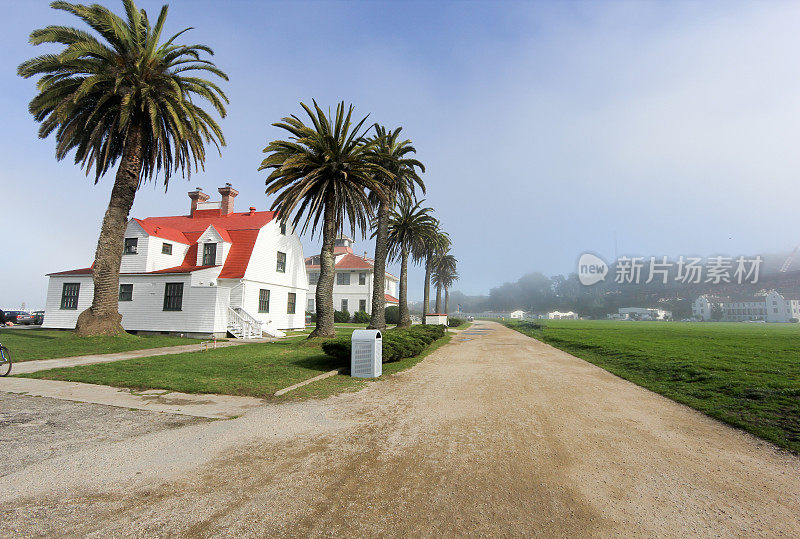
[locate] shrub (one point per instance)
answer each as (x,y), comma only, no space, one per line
(397,343)
(341,317)
(312,317)
(361,317)
(393,314)
(455,322)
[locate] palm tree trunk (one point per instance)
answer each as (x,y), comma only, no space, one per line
(426,292)
(405,319)
(103,317)
(446,300)
(438,299)
(327,261)
(378,318)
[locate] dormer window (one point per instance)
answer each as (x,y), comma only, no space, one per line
(209,254)
(166,248)
(131,245)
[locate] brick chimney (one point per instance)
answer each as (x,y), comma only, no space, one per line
(228,194)
(196,196)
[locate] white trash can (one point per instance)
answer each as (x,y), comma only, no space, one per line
(366,355)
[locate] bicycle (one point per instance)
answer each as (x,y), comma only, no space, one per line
(5,360)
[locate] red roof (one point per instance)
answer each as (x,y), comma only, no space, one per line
(238,229)
(349,261)
(390,299)
(163,232)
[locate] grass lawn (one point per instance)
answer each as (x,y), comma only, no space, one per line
(256,370)
(463,325)
(28,344)
(747,375)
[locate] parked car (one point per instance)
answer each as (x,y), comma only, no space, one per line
(19,317)
(38,317)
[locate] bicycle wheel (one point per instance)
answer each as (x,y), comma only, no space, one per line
(5,361)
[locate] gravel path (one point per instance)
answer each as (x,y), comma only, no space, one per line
(494,434)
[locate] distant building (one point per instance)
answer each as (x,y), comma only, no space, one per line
(352,287)
(773,306)
(556,315)
(643,313)
(516,314)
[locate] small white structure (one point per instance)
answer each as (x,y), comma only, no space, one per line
(352,285)
(208,273)
(643,313)
(556,315)
(436,319)
(366,353)
(517,314)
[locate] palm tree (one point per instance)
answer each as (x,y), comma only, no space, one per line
(390,152)
(118,94)
(443,265)
(444,277)
(323,173)
(408,227)
(437,244)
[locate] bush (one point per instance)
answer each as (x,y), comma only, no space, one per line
(312,317)
(361,317)
(397,343)
(393,315)
(341,317)
(455,322)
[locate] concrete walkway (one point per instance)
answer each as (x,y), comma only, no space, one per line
(155,400)
(25,367)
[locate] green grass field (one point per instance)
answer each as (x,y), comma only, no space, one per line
(256,370)
(29,344)
(747,375)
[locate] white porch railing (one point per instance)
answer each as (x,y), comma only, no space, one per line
(242,325)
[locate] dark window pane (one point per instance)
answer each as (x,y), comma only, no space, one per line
(283,228)
(69,295)
(362,305)
(126,292)
(290,305)
(343,278)
(166,248)
(281,267)
(131,245)
(173,296)
(263,301)
(344,305)
(209,254)
(362,278)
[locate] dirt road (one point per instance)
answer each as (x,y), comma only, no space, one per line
(493,434)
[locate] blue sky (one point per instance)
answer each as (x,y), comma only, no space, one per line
(546,128)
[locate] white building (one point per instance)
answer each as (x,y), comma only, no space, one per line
(352,285)
(517,314)
(773,306)
(643,313)
(556,315)
(207,273)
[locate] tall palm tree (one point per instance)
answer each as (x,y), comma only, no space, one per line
(409,225)
(436,245)
(391,153)
(444,264)
(119,94)
(323,173)
(444,277)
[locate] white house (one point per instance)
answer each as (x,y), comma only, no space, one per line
(352,287)
(517,314)
(773,306)
(643,313)
(207,273)
(556,315)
